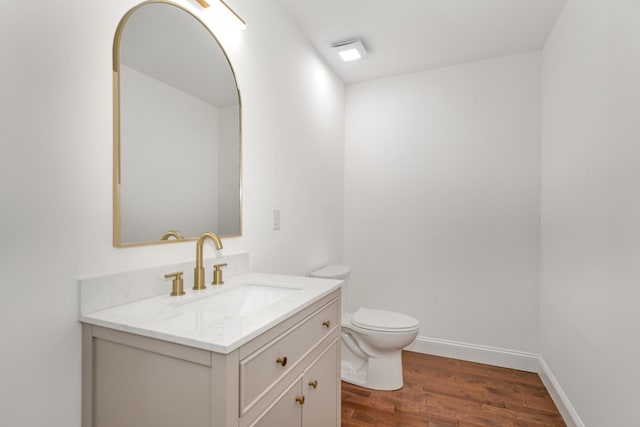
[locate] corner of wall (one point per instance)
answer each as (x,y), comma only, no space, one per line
(568,412)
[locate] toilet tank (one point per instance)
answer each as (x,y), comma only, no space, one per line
(336,272)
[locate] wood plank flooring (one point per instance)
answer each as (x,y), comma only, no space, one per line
(442,392)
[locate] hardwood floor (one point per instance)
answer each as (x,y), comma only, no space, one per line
(442,392)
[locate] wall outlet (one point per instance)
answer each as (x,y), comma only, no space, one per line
(276,219)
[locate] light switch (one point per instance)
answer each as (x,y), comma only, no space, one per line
(276,219)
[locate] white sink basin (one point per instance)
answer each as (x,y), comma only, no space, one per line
(242,300)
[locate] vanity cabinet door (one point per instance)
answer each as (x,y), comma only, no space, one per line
(322,390)
(286,410)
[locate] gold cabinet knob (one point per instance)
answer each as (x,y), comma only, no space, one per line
(177,285)
(300,400)
(282,361)
(313,383)
(327,323)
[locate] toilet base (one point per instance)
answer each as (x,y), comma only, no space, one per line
(351,374)
(376,374)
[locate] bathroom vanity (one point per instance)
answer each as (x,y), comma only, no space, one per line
(259,350)
(263,350)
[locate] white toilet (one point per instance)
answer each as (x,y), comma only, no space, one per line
(372,340)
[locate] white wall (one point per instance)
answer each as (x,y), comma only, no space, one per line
(55,180)
(442,199)
(590,266)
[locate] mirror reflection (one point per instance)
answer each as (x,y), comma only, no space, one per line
(177,130)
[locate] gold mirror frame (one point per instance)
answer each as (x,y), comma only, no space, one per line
(117,220)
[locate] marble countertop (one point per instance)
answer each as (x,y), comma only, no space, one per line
(195,320)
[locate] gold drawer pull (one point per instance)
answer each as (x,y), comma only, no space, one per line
(327,323)
(313,383)
(282,361)
(300,400)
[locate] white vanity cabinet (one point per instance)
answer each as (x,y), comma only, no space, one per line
(131,380)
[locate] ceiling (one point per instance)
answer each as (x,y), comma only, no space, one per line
(404,36)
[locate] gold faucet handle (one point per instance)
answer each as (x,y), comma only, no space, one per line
(217,274)
(178,283)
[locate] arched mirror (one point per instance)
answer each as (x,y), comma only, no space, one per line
(177,130)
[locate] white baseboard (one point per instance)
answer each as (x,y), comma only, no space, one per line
(504,358)
(477,353)
(568,412)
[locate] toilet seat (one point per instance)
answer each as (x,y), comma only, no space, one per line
(383,320)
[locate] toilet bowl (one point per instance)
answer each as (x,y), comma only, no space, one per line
(372,340)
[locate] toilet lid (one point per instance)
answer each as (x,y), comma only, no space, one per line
(383,320)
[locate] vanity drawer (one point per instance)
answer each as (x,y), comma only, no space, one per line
(263,368)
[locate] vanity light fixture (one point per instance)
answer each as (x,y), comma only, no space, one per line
(350,50)
(238,22)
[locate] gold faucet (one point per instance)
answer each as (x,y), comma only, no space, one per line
(172,233)
(198,272)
